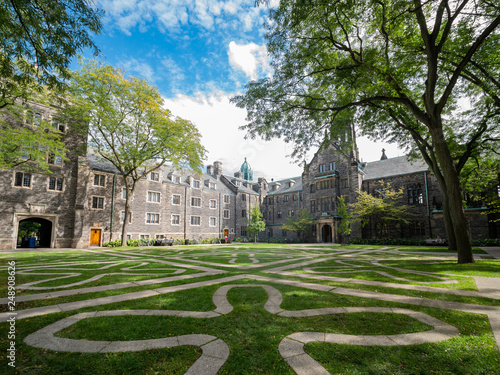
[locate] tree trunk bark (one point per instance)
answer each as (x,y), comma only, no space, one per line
(453,196)
(452,241)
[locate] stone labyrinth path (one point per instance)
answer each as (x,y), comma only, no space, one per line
(80,278)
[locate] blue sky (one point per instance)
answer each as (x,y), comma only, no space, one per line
(200,53)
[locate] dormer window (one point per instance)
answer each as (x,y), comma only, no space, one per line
(154,176)
(196,184)
(212,185)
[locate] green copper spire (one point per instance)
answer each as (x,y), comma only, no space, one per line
(246,170)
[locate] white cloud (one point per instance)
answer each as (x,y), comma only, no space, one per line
(170,15)
(218,120)
(250,58)
(141,68)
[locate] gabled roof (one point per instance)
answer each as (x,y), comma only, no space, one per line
(284,188)
(392,167)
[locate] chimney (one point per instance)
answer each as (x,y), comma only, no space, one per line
(210,169)
(238,174)
(217,169)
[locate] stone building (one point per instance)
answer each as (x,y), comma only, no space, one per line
(81,203)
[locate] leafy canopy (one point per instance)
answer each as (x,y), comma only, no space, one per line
(255,224)
(300,224)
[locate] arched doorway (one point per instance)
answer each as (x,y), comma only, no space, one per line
(326,233)
(36,227)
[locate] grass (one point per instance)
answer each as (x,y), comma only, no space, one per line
(253,334)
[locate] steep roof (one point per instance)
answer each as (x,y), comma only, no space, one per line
(284,188)
(392,167)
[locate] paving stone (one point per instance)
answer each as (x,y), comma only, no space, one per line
(306,337)
(289,348)
(195,339)
(206,366)
(305,365)
(217,349)
(137,345)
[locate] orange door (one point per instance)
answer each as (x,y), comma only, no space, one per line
(95,237)
(226,232)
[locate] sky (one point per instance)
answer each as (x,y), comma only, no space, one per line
(201,53)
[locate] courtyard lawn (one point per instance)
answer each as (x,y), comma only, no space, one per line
(265,309)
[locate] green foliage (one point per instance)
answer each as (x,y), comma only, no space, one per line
(300,224)
(343,212)
(386,208)
(38,40)
(128,126)
(398,69)
(486,242)
(255,224)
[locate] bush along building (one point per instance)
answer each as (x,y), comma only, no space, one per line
(81,202)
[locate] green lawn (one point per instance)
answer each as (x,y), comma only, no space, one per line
(252,333)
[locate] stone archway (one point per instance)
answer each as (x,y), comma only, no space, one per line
(326,233)
(45,230)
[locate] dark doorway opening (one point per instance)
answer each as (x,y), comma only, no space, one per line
(34,232)
(326,233)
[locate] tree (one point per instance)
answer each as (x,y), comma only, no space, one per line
(300,224)
(399,69)
(345,216)
(383,210)
(38,40)
(128,126)
(255,222)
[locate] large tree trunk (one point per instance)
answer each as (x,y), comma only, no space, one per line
(453,196)
(448,223)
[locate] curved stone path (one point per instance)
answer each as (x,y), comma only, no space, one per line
(216,352)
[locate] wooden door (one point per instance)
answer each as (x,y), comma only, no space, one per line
(226,232)
(95,237)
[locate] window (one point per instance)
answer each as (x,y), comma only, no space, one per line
(243,230)
(176,219)
(176,199)
(277,199)
(155,176)
(160,236)
(213,203)
(177,179)
(212,221)
(195,202)
(313,206)
(22,180)
(144,236)
(226,214)
(332,165)
(325,204)
(153,197)
(415,195)
(195,220)
(243,197)
(196,184)
(279,214)
(37,120)
(344,183)
(291,213)
(270,200)
(54,159)
(294,197)
(122,217)
(322,168)
(283,233)
(99,180)
(58,126)
(227,198)
(152,218)
(243,213)
(285,198)
(311,188)
(417,228)
(212,185)
(98,203)
(124,193)
(55,183)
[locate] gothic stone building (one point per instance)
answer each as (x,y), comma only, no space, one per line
(81,203)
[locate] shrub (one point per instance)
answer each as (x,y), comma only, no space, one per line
(114,243)
(486,242)
(387,241)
